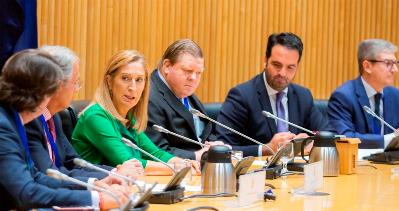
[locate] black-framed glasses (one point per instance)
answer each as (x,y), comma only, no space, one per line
(387,62)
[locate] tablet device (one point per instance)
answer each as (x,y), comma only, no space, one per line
(144,197)
(177,179)
(243,165)
(393,145)
(274,159)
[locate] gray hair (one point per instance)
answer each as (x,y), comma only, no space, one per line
(370,48)
(64,56)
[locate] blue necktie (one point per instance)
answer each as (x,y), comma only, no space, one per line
(281,126)
(186,104)
(377,123)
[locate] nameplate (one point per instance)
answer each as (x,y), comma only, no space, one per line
(251,187)
(313,177)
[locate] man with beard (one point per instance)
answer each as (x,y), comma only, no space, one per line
(270,91)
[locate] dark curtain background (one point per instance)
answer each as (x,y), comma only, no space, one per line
(18,27)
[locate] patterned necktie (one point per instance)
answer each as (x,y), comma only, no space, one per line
(281,126)
(51,128)
(377,123)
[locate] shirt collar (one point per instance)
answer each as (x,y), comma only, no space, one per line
(370,91)
(166,83)
(270,90)
(47,115)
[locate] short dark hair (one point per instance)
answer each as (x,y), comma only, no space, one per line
(286,39)
(178,48)
(27,78)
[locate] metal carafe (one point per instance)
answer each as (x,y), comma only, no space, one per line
(218,173)
(324,148)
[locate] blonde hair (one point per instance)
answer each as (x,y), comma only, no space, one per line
(103,93)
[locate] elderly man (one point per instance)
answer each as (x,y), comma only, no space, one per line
(172,96)
(372,88)
(48,145)
(272,91)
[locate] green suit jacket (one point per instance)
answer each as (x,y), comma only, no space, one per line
(97,139)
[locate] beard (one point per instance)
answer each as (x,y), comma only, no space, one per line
(277,82)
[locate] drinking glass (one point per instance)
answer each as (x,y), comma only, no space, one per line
(287,154)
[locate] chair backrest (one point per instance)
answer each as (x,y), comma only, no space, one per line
(212,109)
(69,116)
(322,105)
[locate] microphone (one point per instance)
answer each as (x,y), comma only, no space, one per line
(268,114)
(85,164)
(371,112)
(60,176)
(134,146)
(199,114)
(164,130)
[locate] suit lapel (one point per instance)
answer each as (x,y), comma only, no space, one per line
(293,109)
(387,110)
(195,102)
(265,102)
(172,100)
(363,100)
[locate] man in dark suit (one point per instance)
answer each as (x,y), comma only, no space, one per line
(40,142)
(377,67)
(28,78)
(270,91)
(172,95)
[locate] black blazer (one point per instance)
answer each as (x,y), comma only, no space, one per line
(167,111)
(242,110)
(38,148)
(22,188)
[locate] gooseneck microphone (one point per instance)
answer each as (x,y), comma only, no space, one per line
(371,112)
(199,114)
(270,115)
(60,176)
(134,146)
(85,164)
(164,130)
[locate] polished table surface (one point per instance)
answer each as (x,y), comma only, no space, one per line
(369,189)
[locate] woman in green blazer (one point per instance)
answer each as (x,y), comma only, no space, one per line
(120,110)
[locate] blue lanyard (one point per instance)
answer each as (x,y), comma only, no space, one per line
(24,139)
(52,142)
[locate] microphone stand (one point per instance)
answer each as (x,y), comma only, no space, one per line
(60,176)
(85,164)
(168,196)
(268,114)
(369,111)
(134,146)
(199,114)
(164,130)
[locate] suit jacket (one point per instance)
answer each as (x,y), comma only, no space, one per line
(167,111)
(23,188)
(347,117)
(242,110)
(39,151)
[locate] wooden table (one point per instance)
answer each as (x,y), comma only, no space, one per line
(369,189)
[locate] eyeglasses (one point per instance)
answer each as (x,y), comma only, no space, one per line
(388,63)
(77,85)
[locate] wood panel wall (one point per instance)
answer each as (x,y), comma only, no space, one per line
(232,34)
